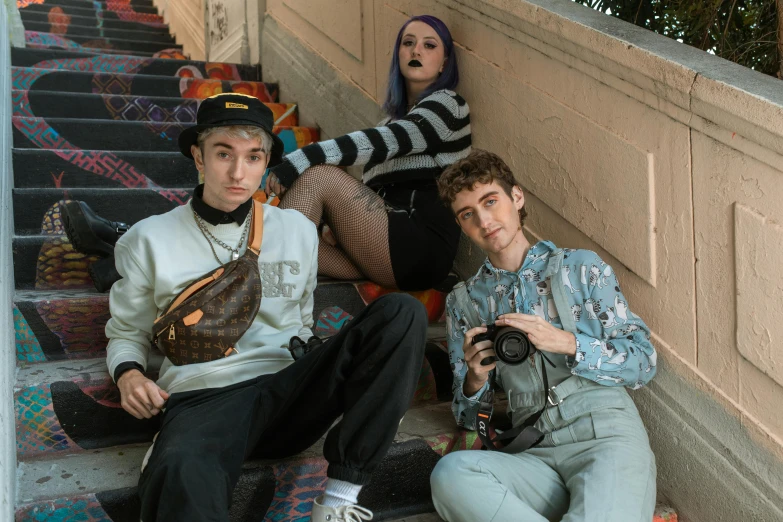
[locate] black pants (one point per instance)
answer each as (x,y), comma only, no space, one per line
(368,373)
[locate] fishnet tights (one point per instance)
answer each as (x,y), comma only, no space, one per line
(357,217)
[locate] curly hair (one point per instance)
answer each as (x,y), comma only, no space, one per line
(478,167)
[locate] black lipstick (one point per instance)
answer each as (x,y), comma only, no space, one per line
(414,63)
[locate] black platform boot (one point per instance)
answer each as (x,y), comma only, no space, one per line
(88,232)
(104,274)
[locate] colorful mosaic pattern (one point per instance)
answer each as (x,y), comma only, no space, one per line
(200,89)
(53,220)
(298,484)
(664,514)
(37,427)
(330,321)
(102,163)
(59,266)
(78,323)
(36,39)
(170,54)
(85,508)
(459,440)
(28,349)
(433,300)
(59,21)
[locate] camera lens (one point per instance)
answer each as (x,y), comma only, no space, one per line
(512,346)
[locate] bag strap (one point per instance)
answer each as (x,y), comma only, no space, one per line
(256,228)
(558,290)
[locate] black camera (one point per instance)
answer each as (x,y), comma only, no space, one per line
(510,345)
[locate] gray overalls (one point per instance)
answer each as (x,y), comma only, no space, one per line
(594,464)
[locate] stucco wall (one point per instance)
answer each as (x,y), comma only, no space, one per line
(186,19)
(665,160)
(7,345)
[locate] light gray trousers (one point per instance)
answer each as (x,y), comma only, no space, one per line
(597,468)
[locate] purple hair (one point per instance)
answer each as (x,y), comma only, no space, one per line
(396,104)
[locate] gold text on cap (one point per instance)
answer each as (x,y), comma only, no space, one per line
(232,105)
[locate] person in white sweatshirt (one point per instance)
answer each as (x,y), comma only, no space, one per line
(258,401)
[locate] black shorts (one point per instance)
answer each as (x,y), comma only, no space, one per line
(423,235)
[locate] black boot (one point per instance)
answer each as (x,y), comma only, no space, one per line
(104,274)
(88,232)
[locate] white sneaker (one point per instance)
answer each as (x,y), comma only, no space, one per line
(349,513)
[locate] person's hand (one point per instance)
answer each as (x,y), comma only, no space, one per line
(273,186)
(474,353)
(543,335)
(140,396)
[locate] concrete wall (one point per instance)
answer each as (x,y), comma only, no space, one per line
(186,19)
(217,30)
(665,160)
(7,345)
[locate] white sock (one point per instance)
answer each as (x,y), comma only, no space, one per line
(340,493)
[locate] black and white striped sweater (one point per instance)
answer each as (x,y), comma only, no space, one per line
(418,147)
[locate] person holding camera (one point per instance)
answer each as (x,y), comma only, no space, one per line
(552,329)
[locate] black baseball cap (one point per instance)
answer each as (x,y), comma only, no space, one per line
(227,109)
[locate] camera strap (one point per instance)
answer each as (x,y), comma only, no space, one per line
(515,440)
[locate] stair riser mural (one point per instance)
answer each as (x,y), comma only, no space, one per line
(59,23)
(41,104)
(110,63)
(111,5)
(73,30)
(281,492)
(78,43)
(50,134)
(125,13)
(26,78)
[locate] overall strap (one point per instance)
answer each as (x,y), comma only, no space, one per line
(465,305)
(256,228)
(558,290)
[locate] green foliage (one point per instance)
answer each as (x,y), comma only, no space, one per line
(743,31)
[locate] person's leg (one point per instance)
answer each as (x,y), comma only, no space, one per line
(611,478)
(197,455)
(367,372)
(490,486)
(357,217)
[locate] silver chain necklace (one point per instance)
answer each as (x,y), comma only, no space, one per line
(210,237)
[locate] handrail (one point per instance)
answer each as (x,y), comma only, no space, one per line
(7,343)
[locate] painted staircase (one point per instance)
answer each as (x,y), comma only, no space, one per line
(100,96)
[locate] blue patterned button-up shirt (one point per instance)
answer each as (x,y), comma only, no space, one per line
(612,343)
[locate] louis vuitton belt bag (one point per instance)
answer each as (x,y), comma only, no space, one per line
(205,320)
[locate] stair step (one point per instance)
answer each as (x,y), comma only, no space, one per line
(51,104)
(109,63)
(282,489)
(28,78)
(47,329)
(89,4)
(124,204)
(128,13)
(166,54)
(92,135)
(107,45)
(73,406)
(59,22)
(92,31)
(49,169)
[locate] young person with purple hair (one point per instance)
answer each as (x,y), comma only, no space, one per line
(390,227)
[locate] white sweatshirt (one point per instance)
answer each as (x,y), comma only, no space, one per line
(159,256)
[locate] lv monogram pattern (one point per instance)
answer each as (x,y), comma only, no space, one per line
(229,305)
